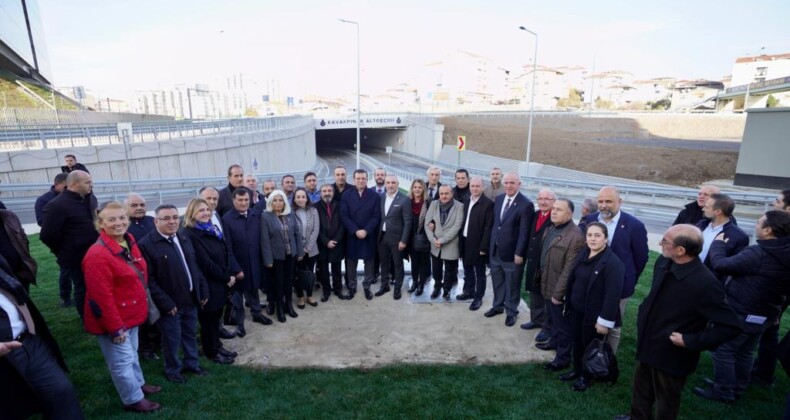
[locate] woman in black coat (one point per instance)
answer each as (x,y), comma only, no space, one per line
(593,298)
(419,247)
(282,247)
(212,258)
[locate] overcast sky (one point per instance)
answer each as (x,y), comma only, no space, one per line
(114,46)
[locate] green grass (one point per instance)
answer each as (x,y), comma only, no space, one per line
(406,391)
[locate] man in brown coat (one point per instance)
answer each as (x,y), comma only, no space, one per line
(562,243)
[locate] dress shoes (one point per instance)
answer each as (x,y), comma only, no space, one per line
(176,378)
(300,303)
(547,346)
(446,295)
(529,325)
(542,337)
(476,304)
(413,286)
(709,394)
(270,309)
(224,333)
(463,296)
(262,319)
(325,297)
(436,292)
(350,294)
(555,367)
(66,303)
(227,353)
(581,385)
(150,389)
(197,371)
(289,310)
(396,294)
(492,312)
(382,291)
(569,376)
(368,294)
(510,320)
(312,303)
(222,360)
(420,290)
(240,331)
(143,406)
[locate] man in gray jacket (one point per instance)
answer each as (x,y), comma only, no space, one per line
(447,215)
(393,236)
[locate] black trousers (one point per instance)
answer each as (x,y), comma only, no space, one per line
(475,280)
(445,273)
(209,331)
(307,263)
(284,272)
(420,266)
(48,389)
(654,387)
(391,259)
(581,337)
(150,338)
(323,272)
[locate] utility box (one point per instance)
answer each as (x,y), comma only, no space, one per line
(763,159)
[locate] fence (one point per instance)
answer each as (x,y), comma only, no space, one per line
(18,118)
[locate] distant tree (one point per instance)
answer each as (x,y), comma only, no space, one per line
(603,103)
(659,105)
(771,102)
(250,112)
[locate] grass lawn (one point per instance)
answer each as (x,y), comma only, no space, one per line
(406,391)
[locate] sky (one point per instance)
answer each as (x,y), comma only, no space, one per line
(299,47)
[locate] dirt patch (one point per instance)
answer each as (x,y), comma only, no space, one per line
(582,144)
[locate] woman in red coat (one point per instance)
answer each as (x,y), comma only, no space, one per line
(115,303)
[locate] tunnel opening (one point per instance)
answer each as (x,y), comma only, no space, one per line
(372,140)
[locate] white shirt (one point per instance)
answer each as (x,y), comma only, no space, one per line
(472,202)
(387,203)
(183,258)
(611,227)
(505,206)
(215,221)
(709,234)
(14,317)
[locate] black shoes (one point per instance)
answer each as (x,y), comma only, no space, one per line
(198,371)
(289,310)
(222,360)
(446,295)
(709,394)
(262,319)
(270,309)
(227,353)
(510,321)
(382,291)
(529,326)
(476,304)
(555,367)
(420,290)
(569,376)
(581,385)
(312,303)
(66,303)
(542,337)
(148,355)
(325,297)
(413,286)
(368,294)
(240,331)
(350,295)
(436,291)
(463,296)
(175,378)
(547,346)
(224,333)
(493,312)
(396,294)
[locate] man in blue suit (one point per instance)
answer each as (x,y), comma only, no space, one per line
(628,240)
(513,213)
(360,212)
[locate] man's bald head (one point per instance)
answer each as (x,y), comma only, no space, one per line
(135,205)
(705,192)
(609,202)
(79,182)
(682,243)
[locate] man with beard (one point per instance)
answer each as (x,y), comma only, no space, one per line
(495,187)
(331,239)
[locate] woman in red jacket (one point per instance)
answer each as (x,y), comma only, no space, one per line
(115,304)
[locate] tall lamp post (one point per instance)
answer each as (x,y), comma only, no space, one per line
(358,120)
(532,100)
(749,81)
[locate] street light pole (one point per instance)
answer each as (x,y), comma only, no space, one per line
(358,120)
(749,81)
(532,100)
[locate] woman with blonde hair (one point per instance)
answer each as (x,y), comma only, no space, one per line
(212,258)
(116,277)
(282,247)
(419,247)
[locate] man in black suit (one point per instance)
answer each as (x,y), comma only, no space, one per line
(685,313)
(393,235)
(475,239)
(235,180)
(31,366)
(513,214)
(537,306)
(433,184)
(718,219)
(331,238)
(178,288)
(72,165)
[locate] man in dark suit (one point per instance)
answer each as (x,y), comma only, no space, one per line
(475,240)
(72,165)
(537,306)
(178,288)
(718,219)
(251,183)
(68,229)
(513,214)
(433,184)
(242,230)
(393,235)
(31,366)
(684,314)
(360,211)
(628,240)
(331,243)
(58,185)
(235,180)
(340,186)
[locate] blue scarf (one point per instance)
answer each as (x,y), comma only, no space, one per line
(210,228)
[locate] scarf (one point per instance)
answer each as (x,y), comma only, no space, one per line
(210,228)
(444,210)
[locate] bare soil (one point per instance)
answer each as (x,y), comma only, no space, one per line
(596,145)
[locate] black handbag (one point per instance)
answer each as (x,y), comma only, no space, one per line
(421,243)
(305,279)
(599,361)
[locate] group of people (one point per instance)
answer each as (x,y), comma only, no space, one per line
(144,284)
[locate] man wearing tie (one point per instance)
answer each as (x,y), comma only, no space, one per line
(393,235)
(360,211)
(177,288)
(434,175)
(513,213)
(379,175)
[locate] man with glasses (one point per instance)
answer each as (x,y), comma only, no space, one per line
(537,307)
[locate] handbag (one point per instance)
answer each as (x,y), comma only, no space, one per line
(153,311)
(305,279)
(421,243)
(600,362)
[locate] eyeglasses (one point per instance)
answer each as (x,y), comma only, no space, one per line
(168,218)
(665,242)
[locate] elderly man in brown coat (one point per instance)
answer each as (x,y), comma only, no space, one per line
(562,242)
(447,214)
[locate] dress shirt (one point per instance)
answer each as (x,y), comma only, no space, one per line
(15,317)
(708,235)
(472,202)
(216,221)
(387,203)
(611,227)
(174,240)
(506,205)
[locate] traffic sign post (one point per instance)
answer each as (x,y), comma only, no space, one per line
(461,146)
